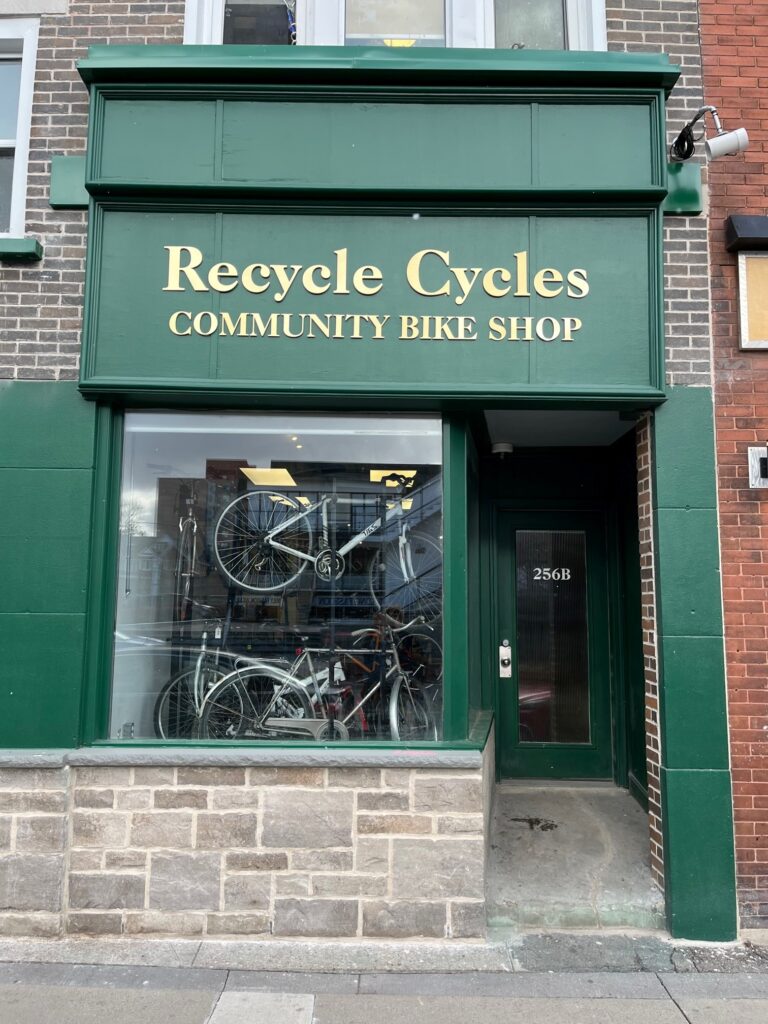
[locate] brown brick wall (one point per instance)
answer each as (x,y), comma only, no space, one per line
(650,644)
(41,306)
(735,50)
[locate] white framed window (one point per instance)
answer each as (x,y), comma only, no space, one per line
(18,48)
(502,24)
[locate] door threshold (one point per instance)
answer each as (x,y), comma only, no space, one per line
(559,784)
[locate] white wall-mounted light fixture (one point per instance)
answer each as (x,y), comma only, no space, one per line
(722,144)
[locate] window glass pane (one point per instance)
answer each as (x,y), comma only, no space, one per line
(395,23)
(6,181)
(280,578)
(552,638)
(258,21)
(10,82)
(530,25)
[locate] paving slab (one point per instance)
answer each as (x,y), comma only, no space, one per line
(291,981)
(725,1011)
(716,986)
(570,856)
(24,1004)
(595,952)
(442,1010)
(352,955)
(100,976)
(521,986)
(152,952)
(730,959)
(263,1008)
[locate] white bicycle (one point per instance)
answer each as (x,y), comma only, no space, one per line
(263,542)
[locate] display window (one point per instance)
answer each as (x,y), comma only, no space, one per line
(280,578)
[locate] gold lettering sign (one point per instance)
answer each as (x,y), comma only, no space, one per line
(430,273)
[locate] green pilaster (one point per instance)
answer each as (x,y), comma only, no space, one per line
(46,470)
(455,591)
(696,785)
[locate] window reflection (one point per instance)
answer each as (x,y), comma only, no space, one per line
(530,24)
(395,23)
(280,578)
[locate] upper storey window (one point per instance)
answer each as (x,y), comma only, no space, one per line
(18,41)
(501,24)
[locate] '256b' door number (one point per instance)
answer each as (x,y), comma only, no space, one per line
(545,573)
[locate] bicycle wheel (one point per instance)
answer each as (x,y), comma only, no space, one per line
(175,714)
(243,552)
(410,718)
(244,704)
(421,658)
(409,577)
(186,554)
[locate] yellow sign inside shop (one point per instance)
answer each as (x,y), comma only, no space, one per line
(431,273)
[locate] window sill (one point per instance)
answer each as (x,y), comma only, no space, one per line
(440,756)
(28,250)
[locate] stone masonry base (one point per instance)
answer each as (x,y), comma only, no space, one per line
(244,851)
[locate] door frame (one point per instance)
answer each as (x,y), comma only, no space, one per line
(570,760)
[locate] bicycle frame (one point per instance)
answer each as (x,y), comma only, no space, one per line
(396,511)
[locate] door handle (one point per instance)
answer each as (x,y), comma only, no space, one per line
(505,660)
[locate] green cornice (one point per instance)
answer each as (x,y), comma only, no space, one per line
(154,64)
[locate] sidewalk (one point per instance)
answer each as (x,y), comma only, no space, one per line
(565,978)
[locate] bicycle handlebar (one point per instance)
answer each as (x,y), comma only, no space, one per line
(394,624)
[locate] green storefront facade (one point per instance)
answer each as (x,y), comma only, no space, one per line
(419,298)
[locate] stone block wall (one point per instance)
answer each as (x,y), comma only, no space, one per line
(245,851)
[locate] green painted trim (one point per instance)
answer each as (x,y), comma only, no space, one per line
(455,591)
(102,576)
(67,190)
(250,63)
(697,815)
(685,190)
(26,249)
(699,858)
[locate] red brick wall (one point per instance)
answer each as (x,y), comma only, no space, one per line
(650,650)
(735,48)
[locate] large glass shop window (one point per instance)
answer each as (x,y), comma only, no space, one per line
(280,578)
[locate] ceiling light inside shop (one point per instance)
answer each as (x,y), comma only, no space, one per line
(405,504)
(377,475)
(268,477)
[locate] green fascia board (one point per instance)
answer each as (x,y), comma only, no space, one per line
(699,861)
(684,189)
(24,249)
(67,190)
(323,63)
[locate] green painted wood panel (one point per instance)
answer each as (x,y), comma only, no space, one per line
(46,481)
(45,539)
(243,339)
(696,787)
(40,687)
(698,854)
(338,142)
(45,424)
(689,561)
(694,723)
(144,140)
(377,145)
(684,439)
(567,135)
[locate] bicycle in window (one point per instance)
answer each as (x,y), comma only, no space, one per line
(263,541)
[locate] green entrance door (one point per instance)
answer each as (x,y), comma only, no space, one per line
(553,658)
